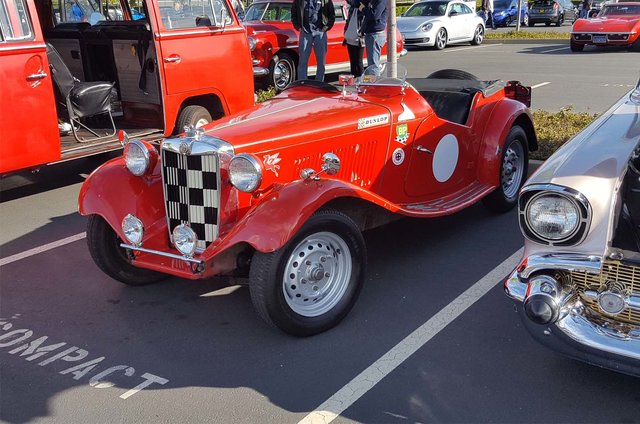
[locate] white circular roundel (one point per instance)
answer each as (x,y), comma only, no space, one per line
(445,158)
(398,156)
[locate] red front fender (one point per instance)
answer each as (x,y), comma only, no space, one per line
(112,192)
(281,213)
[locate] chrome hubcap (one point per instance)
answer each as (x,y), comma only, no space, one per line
(282,75)
(479,35)
(317,274)
(201,122)
(512,170)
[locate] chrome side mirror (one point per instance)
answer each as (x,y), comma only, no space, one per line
(331,163)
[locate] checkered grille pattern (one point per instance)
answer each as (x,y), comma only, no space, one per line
(191,193)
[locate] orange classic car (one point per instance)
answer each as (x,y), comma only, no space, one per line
(281,192)
(274,43)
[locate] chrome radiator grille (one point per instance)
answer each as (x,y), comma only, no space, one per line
(626,277)
(191,193)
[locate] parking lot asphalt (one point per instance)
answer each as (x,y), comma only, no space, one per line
(196,352)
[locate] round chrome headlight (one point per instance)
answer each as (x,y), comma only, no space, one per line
(185,240)
(136,157)
(252,43)
(426,27)
(245,172)
(552,217)
(133,229)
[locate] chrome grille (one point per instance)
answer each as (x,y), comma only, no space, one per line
(191,193)
(612,272)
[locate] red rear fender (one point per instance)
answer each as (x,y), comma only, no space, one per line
(506,113)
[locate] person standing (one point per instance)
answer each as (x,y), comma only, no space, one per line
(586,5)
(353,38)
(373,27)
(312,18)
(487,5)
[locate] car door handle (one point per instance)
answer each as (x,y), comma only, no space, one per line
(38,76)
(173,59)
(424,149)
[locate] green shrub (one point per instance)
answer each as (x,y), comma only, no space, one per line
(527,35)
(556,128)
(263,95)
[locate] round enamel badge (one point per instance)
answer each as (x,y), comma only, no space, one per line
(398,156)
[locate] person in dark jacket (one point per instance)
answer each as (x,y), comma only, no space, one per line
(353,37)
(313,18)
(373,27)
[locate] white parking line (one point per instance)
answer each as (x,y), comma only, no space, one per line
(40,249)
(542,84)
(555,50)
(470,48)
(367,379)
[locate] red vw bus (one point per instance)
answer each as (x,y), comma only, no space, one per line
(73,72)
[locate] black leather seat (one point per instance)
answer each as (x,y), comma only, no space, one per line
(81,99)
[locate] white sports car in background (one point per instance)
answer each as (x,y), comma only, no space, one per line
(436,23)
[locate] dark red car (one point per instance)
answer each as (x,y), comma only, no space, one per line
(274,43)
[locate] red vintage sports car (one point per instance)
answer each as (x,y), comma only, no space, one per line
(617,24)
(282,192)
(274,43)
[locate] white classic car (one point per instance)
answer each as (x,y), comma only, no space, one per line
(578,285)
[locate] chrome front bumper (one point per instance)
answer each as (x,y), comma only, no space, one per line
(260,72)
(579,332)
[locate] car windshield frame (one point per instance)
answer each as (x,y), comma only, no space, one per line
(420,9)
(255,6)
(608,9)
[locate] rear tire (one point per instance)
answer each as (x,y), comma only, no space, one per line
(192,115)
(105,250)
(453,74)
(525,20)
(513,172)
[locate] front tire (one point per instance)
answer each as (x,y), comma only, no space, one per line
(513,171)
(441,39)
(575,47)
(193,115)
(105,250)
(478,36)
(282,71)
(312,282)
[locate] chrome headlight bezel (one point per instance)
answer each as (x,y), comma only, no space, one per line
(133,229)
(252,43)
(242,166)
(137,157)
(185,240)
(533,193)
